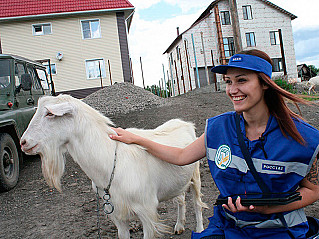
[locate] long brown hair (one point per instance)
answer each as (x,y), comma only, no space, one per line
(275,99)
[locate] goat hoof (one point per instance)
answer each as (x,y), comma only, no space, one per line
(178,232)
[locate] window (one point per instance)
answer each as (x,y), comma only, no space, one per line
(19,71)
(4,73)
(225,17)
(247,12)
(41,29)
(274,37)
(229,46)
(43,79)
(95,69)
(91,29)
(35,79)
(277,65)
(171,58)
(250,39)
(53,68)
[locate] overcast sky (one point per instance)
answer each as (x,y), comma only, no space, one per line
(154,25)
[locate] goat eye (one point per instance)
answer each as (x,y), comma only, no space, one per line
(49,114)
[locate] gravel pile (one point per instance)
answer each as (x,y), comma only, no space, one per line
(122,98)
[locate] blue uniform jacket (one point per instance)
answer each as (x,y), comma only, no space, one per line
(281,162)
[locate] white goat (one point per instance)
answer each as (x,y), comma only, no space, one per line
(313,82)
(140,181)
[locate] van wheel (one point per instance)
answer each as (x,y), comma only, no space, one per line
(9,163)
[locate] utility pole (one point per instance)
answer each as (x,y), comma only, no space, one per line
(282,49)
(205,62)
(179,91)
(197,74)
(182,77)
(100,75)
(160,88)
(187,61)
(142,72)
(108,62)
(214,74)
(172,78)
(165,82)
(222,57)
(170,83)
(235,25)
(132,75)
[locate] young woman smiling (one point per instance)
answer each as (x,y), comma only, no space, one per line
(284,150)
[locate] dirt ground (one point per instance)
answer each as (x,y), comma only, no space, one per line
(33,210)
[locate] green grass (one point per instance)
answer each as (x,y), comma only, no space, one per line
(311,98)
(285,85)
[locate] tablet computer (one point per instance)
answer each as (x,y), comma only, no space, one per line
(262,199)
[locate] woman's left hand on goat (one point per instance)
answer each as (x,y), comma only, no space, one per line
(124,136)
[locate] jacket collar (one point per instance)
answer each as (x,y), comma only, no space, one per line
(272,124)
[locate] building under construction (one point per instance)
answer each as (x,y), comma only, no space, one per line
(224,28)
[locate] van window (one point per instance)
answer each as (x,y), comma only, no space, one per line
(43,78)
(35,80)
(4,74)
(18,72)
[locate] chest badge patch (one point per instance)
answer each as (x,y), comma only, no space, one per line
(223,157)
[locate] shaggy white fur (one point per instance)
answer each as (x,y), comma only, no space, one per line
(314,81)
(140,181)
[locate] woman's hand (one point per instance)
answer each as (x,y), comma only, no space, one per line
(124,136)
(238,207)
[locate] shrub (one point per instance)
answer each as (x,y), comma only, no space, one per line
(285,85)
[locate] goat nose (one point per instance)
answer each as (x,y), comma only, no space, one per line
(23,142)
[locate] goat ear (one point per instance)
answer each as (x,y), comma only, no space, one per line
(60,109)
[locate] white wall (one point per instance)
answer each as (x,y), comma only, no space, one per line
(265,19)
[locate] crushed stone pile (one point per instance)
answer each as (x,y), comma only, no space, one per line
(122,98)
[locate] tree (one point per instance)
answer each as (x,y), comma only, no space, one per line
(157,91)
(314,69)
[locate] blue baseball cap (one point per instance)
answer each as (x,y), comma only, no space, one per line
(248,62)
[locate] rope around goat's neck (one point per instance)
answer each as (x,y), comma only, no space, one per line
(107,189)
(106,197)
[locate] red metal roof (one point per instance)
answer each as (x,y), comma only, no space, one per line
(20,8)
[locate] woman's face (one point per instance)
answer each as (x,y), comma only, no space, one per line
(245,91)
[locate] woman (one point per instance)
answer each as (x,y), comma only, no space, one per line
(284,149)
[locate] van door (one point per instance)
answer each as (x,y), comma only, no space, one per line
(6,85)
(24,102)
(36,91)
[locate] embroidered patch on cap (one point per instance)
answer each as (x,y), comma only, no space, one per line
(271,167)
(237,59)
(223,157)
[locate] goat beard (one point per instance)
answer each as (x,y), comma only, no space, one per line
(53,163)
